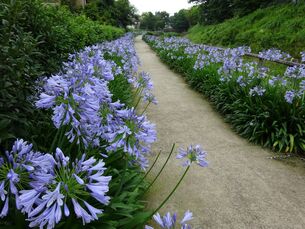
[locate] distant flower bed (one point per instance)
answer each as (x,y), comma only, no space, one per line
(264,104)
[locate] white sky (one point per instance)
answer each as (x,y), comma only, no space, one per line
(170,6)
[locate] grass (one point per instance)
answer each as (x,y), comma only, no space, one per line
(281,27)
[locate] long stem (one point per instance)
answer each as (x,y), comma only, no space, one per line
(123,178)
(172,150)
(58,133)
(149,169)
(175,188)
(145,108)
(139,99)
(62,136)
(55,139)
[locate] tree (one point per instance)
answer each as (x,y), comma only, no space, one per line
(179,21)
(161,20)
(193,15)
(148,21)
(114,12)
(124,13)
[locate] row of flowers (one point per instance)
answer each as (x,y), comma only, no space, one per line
(48,186)
(233,65)
(81,172)
(264,101)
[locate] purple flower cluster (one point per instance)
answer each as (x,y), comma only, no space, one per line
(169,221)
(82,103)
(257,90)
(18,165)
(134,134)
(145,86)
(274,54)
(193,154)
(233,68)
(45,187)
(71,184)
(289,96)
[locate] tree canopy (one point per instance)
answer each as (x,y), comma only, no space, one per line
(157,21)
(113,12)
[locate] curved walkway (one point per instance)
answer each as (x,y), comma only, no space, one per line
(242,187)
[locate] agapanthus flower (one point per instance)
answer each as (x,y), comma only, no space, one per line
(144,81)
(193,154)
(240,81)
(16,169)
(133,133)
(257,90)
(274,54)
(80,91)
(149,97)
(169,221)
(73,184)
(77,105)
(289,96)
(295,72)
(145,86)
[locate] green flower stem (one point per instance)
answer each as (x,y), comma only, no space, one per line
(172,150)
(58,132)
(123,178)
(55,139)
(139,99)
(62,137)
(172,192)
(149,169)
(145,108)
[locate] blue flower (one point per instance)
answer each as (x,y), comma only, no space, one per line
(193,154)
(257,90)
(133,133)
(240,81)
(20,164)
(169,221)
(81,212)
(289,96)
(4,198)
(67,183)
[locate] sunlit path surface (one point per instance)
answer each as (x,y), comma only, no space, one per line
(242,187)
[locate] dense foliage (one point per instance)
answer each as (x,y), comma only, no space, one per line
(179,21)
(118,13)
(280,27)
(161,21)
(34,40)
(263,104)
(157,21)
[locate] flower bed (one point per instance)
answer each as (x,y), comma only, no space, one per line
(265,105)
(90,166)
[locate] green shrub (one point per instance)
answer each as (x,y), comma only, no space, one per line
(34,40)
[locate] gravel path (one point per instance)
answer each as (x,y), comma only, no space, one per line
(242,187)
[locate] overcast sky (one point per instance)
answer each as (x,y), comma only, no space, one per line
(170,6)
